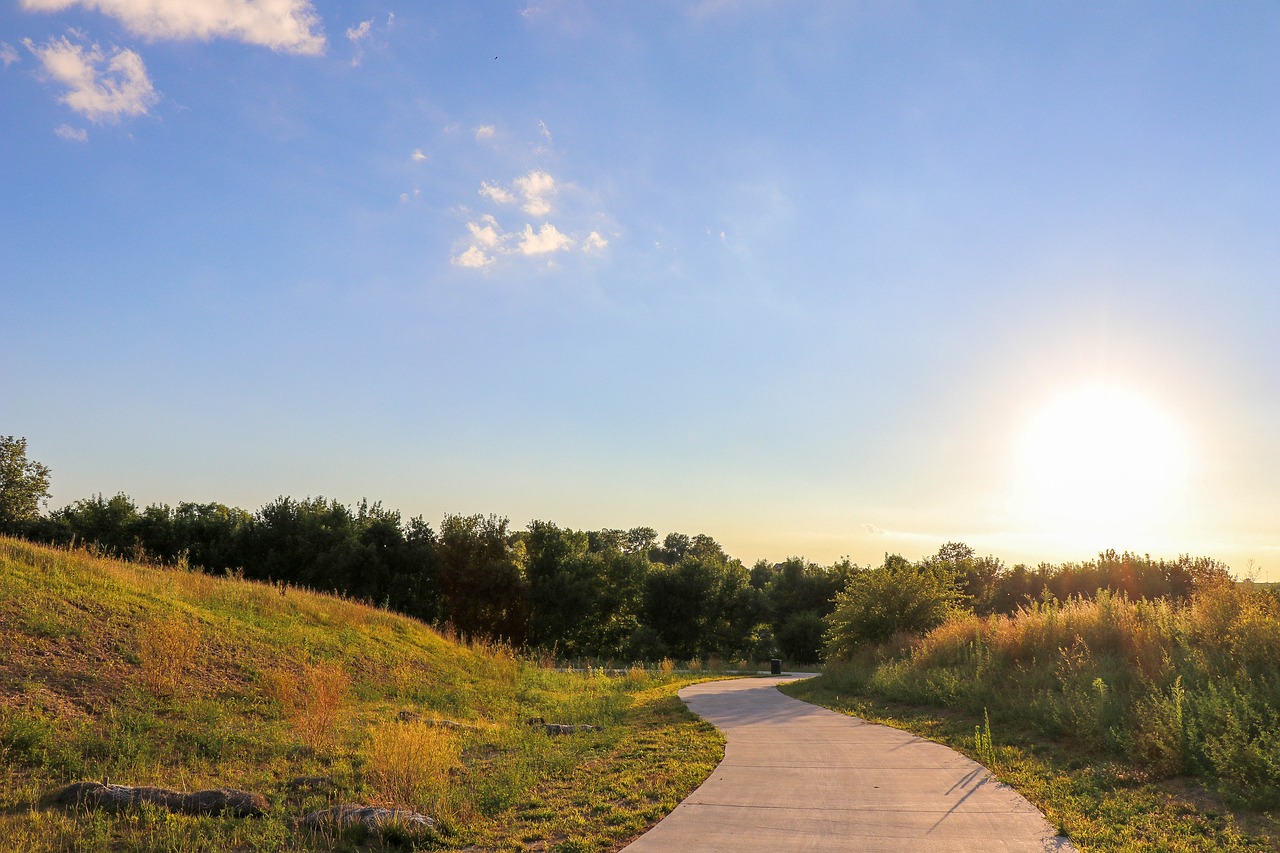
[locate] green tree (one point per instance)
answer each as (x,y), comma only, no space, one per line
(896,598)
(24,484)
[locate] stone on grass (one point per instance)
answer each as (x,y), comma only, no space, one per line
(214,801)
(373,818)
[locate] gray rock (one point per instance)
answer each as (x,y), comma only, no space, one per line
(372,817)
(96,795)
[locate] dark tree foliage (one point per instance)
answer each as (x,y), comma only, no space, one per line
(703,604)
(483,587)
(584,589)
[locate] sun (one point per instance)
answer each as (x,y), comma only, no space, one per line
(1101,466)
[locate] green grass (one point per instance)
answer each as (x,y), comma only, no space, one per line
(143,675)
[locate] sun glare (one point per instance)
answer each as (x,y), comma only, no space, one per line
(1101,466)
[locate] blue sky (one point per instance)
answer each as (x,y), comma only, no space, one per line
(802,276)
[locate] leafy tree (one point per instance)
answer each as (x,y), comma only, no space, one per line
(111,524)
(704,603)
(896,598)
(24,484)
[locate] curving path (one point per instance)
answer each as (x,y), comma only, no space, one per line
(799,777)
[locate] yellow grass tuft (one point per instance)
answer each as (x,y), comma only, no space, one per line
(313,701)
(409,764)
(167,650)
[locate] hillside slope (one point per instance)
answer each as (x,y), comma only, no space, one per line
(140,675)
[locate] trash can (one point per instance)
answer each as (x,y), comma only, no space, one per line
(775,666)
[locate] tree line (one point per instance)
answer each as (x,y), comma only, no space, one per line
(611,593)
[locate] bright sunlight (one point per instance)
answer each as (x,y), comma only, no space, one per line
(1101,466)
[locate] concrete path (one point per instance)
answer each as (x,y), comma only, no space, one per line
(799,777)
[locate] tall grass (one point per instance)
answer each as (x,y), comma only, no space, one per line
(1175,688)
(409,764)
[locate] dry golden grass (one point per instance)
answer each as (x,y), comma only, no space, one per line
(409,764)
(313,700)
(666,666)
(167,652)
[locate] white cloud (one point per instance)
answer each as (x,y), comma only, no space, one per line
(291,26)
(404,198)
(535,187)
(594,243)
(102,88)
(546,133)
(486,232)
(71,134)
(356,35)
(496,194)
(473,258)
(485,131)
(417,155)
(360,32)
(8,54)
(547,239)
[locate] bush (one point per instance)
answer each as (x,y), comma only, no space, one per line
(896,598)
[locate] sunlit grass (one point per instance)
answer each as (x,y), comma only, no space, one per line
(135,674)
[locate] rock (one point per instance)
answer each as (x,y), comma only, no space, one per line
(564,729)
(96,795)
(373,818)
(414,717)
(311,784)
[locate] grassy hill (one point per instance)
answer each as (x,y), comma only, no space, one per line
(142,675)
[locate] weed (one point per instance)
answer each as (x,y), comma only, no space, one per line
(983,745)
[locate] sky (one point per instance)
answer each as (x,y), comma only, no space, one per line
(815,278)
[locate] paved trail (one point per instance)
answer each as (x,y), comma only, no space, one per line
(799,777)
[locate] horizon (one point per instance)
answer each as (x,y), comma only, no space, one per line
(821,282)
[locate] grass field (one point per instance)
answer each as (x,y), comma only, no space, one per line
(142,675)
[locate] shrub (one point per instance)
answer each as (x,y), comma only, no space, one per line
(896,598)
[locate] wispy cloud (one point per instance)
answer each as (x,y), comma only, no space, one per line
(8,54)
(101,87)
(71,134)
(357,35)
(484,131)
(594,243)
(417,156)
(290,26)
